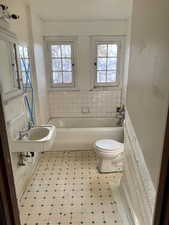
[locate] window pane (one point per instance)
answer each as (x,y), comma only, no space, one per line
(67,77)
(101,50)
(24,78)
(67,66)
(21,51)
(101,76)
(101,64)
(25,49)
(25,66)
(111,64)
(57,77)
(56,51)
(66,50)
(111,76)
(112,50)
(56,65)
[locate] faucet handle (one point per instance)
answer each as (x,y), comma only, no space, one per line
(22,129)
(20,134)
(120,109)
(30,125)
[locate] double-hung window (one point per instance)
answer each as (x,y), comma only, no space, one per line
(107,61)
(61,63)
(25,66)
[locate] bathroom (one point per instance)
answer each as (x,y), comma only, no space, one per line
(85,137)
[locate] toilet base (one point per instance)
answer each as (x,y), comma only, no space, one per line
(109,166)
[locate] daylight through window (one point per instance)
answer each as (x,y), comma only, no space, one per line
(62,65)
(25,65)
(106,66)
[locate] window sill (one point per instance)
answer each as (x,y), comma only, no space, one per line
(56,89)
(106,88)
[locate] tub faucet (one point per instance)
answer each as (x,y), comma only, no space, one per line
(120,115)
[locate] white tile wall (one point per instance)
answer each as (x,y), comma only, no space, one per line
(15,116)
(87,104)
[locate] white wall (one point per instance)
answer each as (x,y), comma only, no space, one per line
(148,83)
(83,28)
(127,58)
(71,104)
(40,83)
(81,10)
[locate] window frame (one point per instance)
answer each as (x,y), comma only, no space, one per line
(16,66)
(60,41)
(96,40)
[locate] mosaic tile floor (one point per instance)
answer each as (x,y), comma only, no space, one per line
(67,189)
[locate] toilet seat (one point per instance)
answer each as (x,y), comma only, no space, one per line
(109,145)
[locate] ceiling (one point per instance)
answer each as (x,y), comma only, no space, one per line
(81,9)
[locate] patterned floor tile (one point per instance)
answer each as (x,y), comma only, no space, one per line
(66,188)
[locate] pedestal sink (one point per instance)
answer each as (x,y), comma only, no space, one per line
(37,139)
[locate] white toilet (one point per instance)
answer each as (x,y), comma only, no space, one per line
(110,155)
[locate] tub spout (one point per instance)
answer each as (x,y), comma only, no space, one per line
(120,115)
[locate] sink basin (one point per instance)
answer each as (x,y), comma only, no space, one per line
(38,133)
(37,139)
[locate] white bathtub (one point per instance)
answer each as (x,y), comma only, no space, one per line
(81,133)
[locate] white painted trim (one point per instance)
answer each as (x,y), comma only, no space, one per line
(137,184)
(141,164)
(6,33)
(72,40)
(35,164)
(122,206)
(4,24)
(96,39)
(10,38)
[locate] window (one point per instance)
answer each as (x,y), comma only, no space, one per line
(107,61)
(61,64)
(25,66)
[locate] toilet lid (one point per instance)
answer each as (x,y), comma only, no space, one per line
(109,145)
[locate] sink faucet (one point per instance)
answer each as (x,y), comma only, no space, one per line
(30,125)
(24,132)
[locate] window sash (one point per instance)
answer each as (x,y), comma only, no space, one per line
(25,69)
(63,84)
(118,64)
(24,56)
